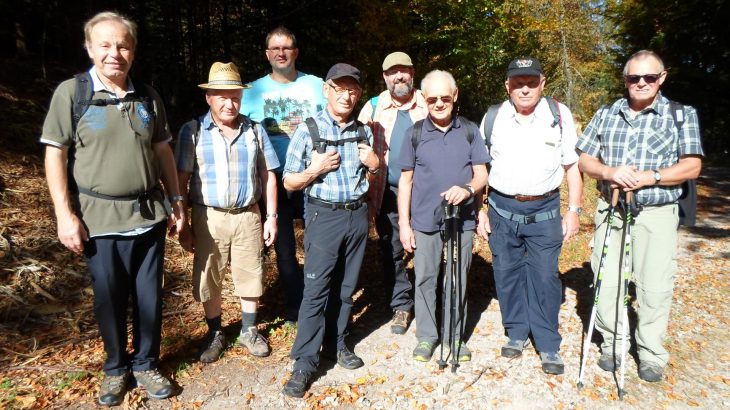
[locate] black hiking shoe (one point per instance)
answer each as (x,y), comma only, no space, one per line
(607,362)
(552,363)
(297,384)
(348,359)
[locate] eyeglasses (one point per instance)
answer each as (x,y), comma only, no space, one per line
(446,99)
(342,91)
(649,78)
(281,49)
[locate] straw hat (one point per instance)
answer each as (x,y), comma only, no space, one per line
(224,76)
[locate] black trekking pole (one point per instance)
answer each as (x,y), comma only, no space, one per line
(629,211)
(455,245)
(446,210)
(597,285)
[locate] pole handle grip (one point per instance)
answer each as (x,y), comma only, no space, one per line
(614,196)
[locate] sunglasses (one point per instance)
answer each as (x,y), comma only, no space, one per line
(648,78)
(446,99)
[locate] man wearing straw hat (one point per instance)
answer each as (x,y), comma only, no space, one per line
(103,167)
(224,164)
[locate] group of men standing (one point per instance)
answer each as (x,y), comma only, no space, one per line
(251,165)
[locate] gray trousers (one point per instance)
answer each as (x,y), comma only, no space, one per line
(428,257)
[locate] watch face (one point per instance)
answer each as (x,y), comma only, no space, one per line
(657,176)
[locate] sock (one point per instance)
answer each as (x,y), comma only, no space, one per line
(248,319)
(214,324)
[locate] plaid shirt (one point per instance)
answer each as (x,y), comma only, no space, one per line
(650,141)
(382,124)
(346,183)
(223,172)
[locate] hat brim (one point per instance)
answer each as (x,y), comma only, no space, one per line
(209,86)
(529,72)
(337,77)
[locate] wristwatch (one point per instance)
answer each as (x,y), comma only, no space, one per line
(272,216)
(176,198)
(578,210)
(469,188)
(657,177)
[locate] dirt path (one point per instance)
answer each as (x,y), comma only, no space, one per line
(698,375)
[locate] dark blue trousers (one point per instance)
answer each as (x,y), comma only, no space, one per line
(120,267)
(525,262)
(289,206)
(391,252)
(334,246)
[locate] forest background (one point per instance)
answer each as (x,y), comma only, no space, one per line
(582,44)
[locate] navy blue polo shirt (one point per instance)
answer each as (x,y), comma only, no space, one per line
(442,160)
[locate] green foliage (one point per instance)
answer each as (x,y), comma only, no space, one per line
(69,378)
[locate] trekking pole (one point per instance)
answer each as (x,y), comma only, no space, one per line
(597,286)
(446,207)
(455,244)
(629,211)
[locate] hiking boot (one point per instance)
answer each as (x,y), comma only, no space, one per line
(400,322)
(348,359)
(463,352)
(214,348)
(254,342)
(552,363)
(423,351)
(513,348)
(156,385)
(113,389)
(607,362)
(650,372)
(297,384)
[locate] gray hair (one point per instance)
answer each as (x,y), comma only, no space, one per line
(438,74)
(642,54)
(110,16)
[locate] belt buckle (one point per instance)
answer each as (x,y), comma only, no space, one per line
(530,219)
(350,206)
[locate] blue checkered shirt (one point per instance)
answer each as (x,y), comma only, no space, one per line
(346,183)
(650,141)
(224,174)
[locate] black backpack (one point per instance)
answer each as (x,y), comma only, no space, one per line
(417,132)
(491,116)
(320,144)
(84,93)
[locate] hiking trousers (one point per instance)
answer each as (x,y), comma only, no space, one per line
(391,252)
(654,260)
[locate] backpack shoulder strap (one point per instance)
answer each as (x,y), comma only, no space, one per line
(374,104)
(488,126)
(362,136)
(469,131)
(314,135)
(417,133)
(83,94)
(677,111)
(555,111)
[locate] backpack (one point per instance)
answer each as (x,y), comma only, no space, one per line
(491,116)
(688,200)
(84,92)
(418,132)
(320,144)
(374,104)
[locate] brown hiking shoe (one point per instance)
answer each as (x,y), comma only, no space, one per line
(400,322)
(113,389)
(156,385)
(214,348)
(256,344)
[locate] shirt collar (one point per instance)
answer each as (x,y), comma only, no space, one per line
(350,121)
(99,86)
(430,126)
(208,123)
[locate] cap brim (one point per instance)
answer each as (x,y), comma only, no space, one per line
(531,72)
(337,77)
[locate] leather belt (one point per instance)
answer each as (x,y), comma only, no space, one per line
(349,206)
(232,211)
(528,198)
